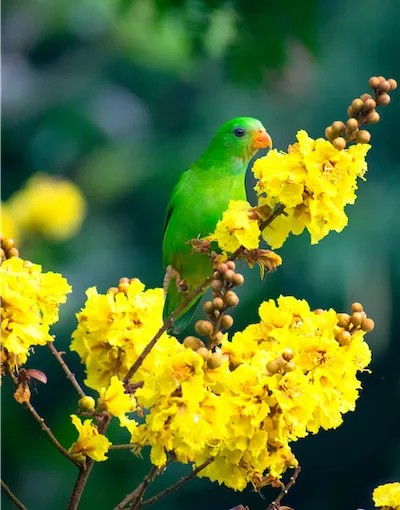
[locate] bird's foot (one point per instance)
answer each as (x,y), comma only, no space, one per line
(173,274)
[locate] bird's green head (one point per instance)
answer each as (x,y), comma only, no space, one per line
(241,138)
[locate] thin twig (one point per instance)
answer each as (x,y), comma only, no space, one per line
(84,473)
(276,503)
(136,496)
(176,485)
(64,366)
(46,429)
(121,446)
(12,497)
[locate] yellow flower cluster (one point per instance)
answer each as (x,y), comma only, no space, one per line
(387,496)
(314,181)
(280,379)
(115,401)
(236,228)
(30,303)
(90,442)
(53,207)
(113,329)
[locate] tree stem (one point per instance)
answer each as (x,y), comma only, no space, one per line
(70,376)
(12,496)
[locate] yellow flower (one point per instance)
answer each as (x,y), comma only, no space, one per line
(90,442)
(114,400)
(314,181)
(387,496)
(236,228)
(51,206)
(9,227)
(30,303)
(113,330)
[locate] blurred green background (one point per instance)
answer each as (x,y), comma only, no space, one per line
(122,96)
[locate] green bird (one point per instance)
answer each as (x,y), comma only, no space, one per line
(197,203)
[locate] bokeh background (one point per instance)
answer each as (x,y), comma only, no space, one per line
(121,96)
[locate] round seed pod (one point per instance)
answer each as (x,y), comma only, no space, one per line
(352,124)
(226,322)
(215,360)
(374,82)
(231,299)
(363,136)
(384,86)
(231,265)
(329,133)
(393,83)
(222,268)
(344,338)
(287,354)
(86,403)
(338,126)
(367,324)
(357,307)
(343,320)
(238,280)
(218,303)
(204,328)
(339,143)
(372,118)
(204,353)
(357,104)
(369,104)
(356,318)
(208,307)
(192,342)
(383,99)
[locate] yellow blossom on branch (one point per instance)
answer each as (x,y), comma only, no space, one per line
(51,206)
(387,496)
(314,181)
(30,303)
(237,228)
(90,442)
(114,400)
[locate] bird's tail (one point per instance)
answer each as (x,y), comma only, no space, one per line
(174,299)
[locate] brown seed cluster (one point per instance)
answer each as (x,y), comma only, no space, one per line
(123,285)
(349,323)
(362,111)
(8,248)
(282,364)
(224,280)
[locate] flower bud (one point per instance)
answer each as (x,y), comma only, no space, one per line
(343,320)
(217,338)
(192,342)
(217,285)
(222,268)
(363,136)
(367,324)
(215,360)
(352,124)
(208,307)
(2,254)
(112,290)
(7,244)
(218,303)
(339,143)
(124,280)
(344,338)
(217,313)
(338,126)
(274,366)
(318,311)
(238,280)
(350,111)
(86,403)
(393,84)
(357,104)
(204,328)
(364,97)
(356,318)
(231,265)
(329,133)
(357,307)
(231,299)
(287,354)
(384,86)
(369,104)
(226,322)
(13,252)
(204,353)
(383,99)
(372,118)
(229,275)
(123,286)
(374,82)
(289,367)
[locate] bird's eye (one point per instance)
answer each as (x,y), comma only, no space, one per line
(239,132)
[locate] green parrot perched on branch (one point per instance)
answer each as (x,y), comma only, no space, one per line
(198,201)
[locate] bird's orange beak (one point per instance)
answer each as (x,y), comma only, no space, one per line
(261,139)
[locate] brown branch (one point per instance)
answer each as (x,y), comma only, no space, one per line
(46,429)
(276,503)
(64,366)
(121,446)
(176,485)
(83,476)
(12,497)
(136,496)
